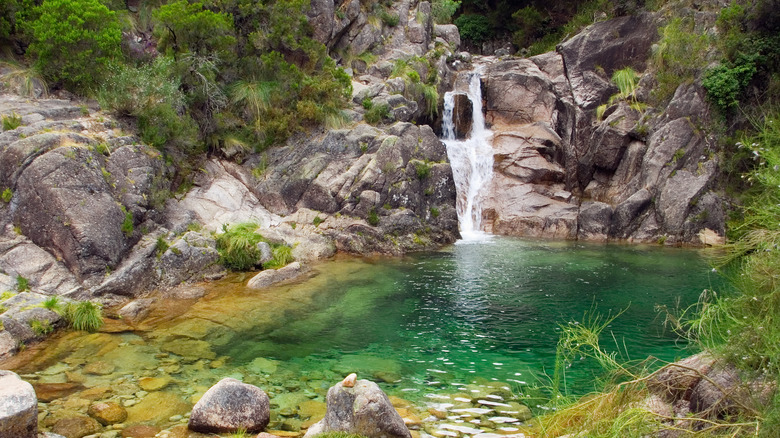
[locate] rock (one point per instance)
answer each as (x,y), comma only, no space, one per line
(363,409)
(156,407)
(349,381)
(266,254)
(76,427)
(721,392)
(18,407)
(136,310)
(230,405)
(140,431)
(321,18)
(450,33)
(610,45)
(272,276)
(107,413)
(101,368)
(517,92)
(153,383)
(677,380)
(47,392)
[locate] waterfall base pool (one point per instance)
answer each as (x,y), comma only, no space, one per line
(473,321)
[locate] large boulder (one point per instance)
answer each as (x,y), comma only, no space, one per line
(18,407)
(231,405)
(360,407)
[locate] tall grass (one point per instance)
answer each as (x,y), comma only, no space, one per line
(84,315)
(237,246)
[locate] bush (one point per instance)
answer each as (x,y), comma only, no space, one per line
(678,56)
(377,113)
(389,19)
(52,303)
(41,327)
(373,218)
(74,41)
(423,169)
(7,195)
(474,27)
(282,257)
(84,315)
(22,284)
(443,10)
(237,246)
(11,121)
(725,84)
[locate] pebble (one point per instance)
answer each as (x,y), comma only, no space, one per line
(129,402)
(176,418)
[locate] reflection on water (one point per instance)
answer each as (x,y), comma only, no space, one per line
(424,326)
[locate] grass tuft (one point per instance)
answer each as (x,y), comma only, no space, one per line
(84,315)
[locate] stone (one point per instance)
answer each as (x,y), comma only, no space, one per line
(154,383)
(676,381)
(76,427)
(157,407)
(18,407)
(140,431)
(272,276)
(230,405)
(47,392)
(266,254)
(107,413)
(101,368)
(363,409)
(349,381)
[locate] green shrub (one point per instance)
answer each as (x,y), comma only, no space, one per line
(52,303)
(423,169)
(84,315)
(11,121)
(531,25)
(7,195)
(373,218)
(41,327)
(443,10)
(317,221)
(474,27)
(377,113)
(74,41)
(22,284)
(282,257)
(724,84)
(389,19)
(237,246)
(127,224)
(678,57)
(161,246)
(626,80)
(435,212)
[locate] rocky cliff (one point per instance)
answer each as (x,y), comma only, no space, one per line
(562,170)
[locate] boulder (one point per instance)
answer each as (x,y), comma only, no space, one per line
(360,409)
(18,407)
(676,381)
(517,92)
(140,431)
(47,392)
(450,33)
(272,276)
(230,405)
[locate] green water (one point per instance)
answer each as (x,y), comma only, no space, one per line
(423,326)
(489,310)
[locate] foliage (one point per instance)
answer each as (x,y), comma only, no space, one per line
(83,315)
(377,113)
(389,19)
(41,327)
(237,246)
(678,57)
(435,212)
(626,80)
(531,25)
(184,27)
(317,221)
(724,83)
(161,246)
(282,257)
(22,284)
(373,217)
(443,10)
(127,223)
(52,303)
(7,195)
(11,121)
(475,28)
(74,41)
(423,169)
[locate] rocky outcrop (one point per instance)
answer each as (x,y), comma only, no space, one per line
(636,173)
(18,407)
(360,408)
(231,405)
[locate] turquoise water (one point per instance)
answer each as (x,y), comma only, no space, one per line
(454,330)
(489,310)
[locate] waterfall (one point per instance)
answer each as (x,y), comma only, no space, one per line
(471,159)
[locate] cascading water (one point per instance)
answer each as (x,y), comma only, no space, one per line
(471,159)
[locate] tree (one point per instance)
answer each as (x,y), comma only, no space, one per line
(74,41)
(187,27)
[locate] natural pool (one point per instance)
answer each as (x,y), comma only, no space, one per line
(474,321)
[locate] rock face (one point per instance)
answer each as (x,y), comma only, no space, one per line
(360,409)
(18,407)
(230,405)
(638,173)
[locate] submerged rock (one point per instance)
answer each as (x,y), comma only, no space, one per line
(107,413)
(231,405)
(361,409)
(18,407)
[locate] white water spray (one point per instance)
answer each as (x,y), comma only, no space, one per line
(471,159)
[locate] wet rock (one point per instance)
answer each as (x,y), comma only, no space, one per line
(18,407)
(107,413)
(100,368)
(230,405)
(47,392)
(677,380)
(363,409)
(76,427)
(156,407)
(154,383)
(140,431)
(271,276)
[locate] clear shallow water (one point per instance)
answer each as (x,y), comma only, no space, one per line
(423,326)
